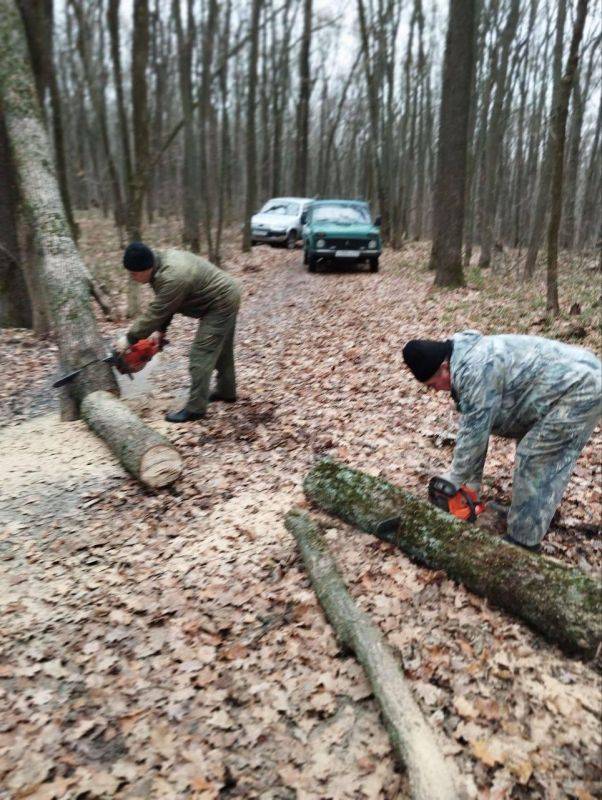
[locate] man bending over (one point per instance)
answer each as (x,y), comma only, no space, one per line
(545,394)
(187,284)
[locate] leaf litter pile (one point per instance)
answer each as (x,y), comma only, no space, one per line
(169,645)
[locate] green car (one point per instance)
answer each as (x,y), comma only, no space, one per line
(340,231)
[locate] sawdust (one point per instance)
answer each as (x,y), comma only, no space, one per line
(47,465)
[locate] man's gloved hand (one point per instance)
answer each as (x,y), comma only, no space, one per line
(121,344)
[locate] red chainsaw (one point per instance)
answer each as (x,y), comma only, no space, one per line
(134,359)
(461,503)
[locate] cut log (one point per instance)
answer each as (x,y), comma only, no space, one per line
(412,739)
(561,603)
(146,454)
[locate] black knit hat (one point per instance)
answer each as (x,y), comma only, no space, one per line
(425,356)
(137,257)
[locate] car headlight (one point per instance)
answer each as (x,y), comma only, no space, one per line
(372,244)
(320,243)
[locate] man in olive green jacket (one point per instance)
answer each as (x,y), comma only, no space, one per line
(186,284)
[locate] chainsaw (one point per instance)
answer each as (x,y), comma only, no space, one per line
(134,359)
(461,503)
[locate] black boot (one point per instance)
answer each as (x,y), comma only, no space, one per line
(533,548)
(215,397)
(183,416)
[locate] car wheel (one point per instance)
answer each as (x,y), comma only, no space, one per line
(291,240)
(374,265)
(312,263)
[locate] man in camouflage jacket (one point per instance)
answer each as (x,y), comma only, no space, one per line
(545,394)
(186,284)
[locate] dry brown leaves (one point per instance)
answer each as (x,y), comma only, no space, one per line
(169,645)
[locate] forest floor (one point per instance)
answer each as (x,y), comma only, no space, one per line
(169,645)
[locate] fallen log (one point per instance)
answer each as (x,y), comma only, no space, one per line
(560,602)
(146,454)
(411,737)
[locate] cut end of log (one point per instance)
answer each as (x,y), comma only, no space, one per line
(160,466)
(145,453)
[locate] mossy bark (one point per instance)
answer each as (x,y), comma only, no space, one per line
(146,454)
(561,603)
(65,278)
(411,737)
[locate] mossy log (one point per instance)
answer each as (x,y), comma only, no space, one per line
(412,739)
(561,603)
(146,454)
(66,281)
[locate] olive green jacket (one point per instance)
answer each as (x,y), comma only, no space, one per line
(184,283)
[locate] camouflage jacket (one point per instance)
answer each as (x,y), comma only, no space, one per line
(186,284)
(503,385)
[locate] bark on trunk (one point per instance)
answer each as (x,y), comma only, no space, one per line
(559,602)
(15,306)
(66,280)
(450,187)
(558,137)
(251,148)
(148,456)
(411,737)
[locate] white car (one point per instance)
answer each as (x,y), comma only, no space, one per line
(279,221)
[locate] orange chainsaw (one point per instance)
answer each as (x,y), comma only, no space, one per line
(461,503)
(134,359)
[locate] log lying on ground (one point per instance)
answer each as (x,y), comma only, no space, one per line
(411,737)
(559,602)
(148,456)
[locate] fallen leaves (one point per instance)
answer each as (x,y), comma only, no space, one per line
(168,644)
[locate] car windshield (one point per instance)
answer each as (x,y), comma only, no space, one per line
(281,207)
(341,214)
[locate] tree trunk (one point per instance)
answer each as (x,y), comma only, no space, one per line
(450,188)
(543,191)
(305,86)
(412,739)
(205,112)
(96,91)
(148,456)
(190,211)
(251,147)
(141,130)
(558,137)
(65,277)
(561,603)
(495,137)
(15,306)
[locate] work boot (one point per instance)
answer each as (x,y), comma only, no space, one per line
(183,416)
(533,548)
(215,397)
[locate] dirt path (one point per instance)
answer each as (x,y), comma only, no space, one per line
(169,645)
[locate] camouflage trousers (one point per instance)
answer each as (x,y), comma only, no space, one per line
(546,456)
(213,349)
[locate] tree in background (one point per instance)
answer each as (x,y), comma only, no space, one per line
(556,149)
(450,185)
(251,148)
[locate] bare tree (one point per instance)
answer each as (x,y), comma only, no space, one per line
(558,138)
(251,149)
(450,187)
(305,87)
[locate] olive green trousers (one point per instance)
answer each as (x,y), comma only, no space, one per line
(213,349)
